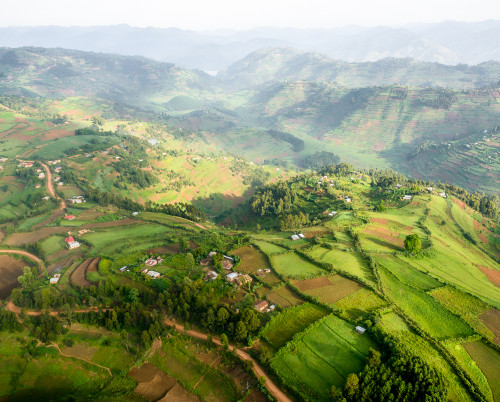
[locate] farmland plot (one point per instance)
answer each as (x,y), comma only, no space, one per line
(292,265)
(328,289)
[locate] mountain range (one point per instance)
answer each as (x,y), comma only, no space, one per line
(448,42)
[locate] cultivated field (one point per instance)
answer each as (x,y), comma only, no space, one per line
(328,289)
(283,297)
(360,302)
(291,321)
(10,269)
(312,367)
(487,359)
(292,265)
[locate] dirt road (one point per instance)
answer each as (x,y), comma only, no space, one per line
(50,186)
(26,254)
(257,369)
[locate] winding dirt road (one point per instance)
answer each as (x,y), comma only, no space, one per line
(50,186)
(26,254)
(257,369)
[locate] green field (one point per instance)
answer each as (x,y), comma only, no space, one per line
(343,261)
(52,244)
(268,248)
(292,265)
(487,359)
(293,320)
(321,356)
(283,297)
(360,302)
(426,311)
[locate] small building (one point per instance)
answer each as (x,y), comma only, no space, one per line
(301,236)
(153,274)
(333,213)
(429,189)
(122,269)
(46,198)
(211,254)
(55,279)
(232,277)
(135,213)
(226,264)
(360,330)
(206,261)
(294,237)
(73,244)
(261,305)
(348,199)
(69,239)
(406,197)
(159,259)
(211,276)
(41,175)
(38,186)
(442,195)
(226,257)
(151,262)
(69,217)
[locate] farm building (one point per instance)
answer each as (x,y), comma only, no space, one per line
(38,186)
(407,197)
(332,213)
(150,262)
(41,175)
(73,244)
(55,279)
(153,274)
(261,305)
(360,330)
(211,254)
(206,261)
(226,257)
(69,239)
(77,199)
(69,217)
(122,269)
(347,199)
(301,236)
(226,264)
(294,237)
(232,277)
(210,276)
(429,189)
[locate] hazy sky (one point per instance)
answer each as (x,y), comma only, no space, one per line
(242,14)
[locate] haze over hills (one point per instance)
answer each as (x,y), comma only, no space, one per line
(447,42)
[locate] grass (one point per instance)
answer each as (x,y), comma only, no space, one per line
(322,355)
(293,320)
(117,239)
(464,305)
(268,248)
(52,244)
(27,224)
(328,289)
(360,302)
(430,315)
(344,261)
(292,265)
(406,273)
(251,259)
(487,359)
(284,297)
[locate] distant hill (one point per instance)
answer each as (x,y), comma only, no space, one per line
(284,63)
(133,80)
(447,42)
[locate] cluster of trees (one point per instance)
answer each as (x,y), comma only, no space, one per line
(9,321)
(443,99)
(95,144)
(386,177)
(294,222)
(340,169)
(413,244)
(134,174)
(273,200)
(251,175)
(403,377)
(320,159)
(488,205)
(191,303)
(297,143)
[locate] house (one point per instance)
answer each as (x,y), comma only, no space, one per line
(429,189)
(229,258)
(232,277)
(150,262)
(360,330)
(38,186)
(153,274)
(227,264)
(398,186)
(261,305)
(122,269)
(135,213)
(60,183)
(294,237)
(442,195)
(69,239)
(243,279)
(211,276)
(332,213)
(69,217)
(348,199)
(211,254)
(55,279)
(41,175)
(46,198)
(205,261)
(267,270)
(57,178)
(73,244)
(406,197)
(301,236)
(159,259)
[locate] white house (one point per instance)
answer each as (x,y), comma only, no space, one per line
(153,274)
(294,237)
(232,276)
(360,330)
(73,244)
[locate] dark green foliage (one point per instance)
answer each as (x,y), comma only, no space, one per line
(46,327)
(297,143)
(402,377)
(413,244)
(294,222)
(320,159)
(9,321)
(274,199)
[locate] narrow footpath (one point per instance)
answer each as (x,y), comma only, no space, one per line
(257,369)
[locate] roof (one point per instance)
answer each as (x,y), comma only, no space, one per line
(69,239)
(69,217)
(261,305)
(295,237)
(232,275)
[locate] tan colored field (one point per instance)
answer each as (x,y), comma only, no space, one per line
(284,298)
(10,269)
(328,289)
(491,318)
(79,350)
(20,239)
(153,384)
(492,274)
(251,259)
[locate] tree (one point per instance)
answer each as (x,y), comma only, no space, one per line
(224,341)
(351,385)
(241,331)
(413,244)
(28,278)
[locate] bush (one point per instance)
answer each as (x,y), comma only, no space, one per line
(413,244)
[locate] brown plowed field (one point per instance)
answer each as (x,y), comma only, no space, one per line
(153,383)
(492,274)
(19,239)
(491,319)
(79,276)
(178,394)
(10,269)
